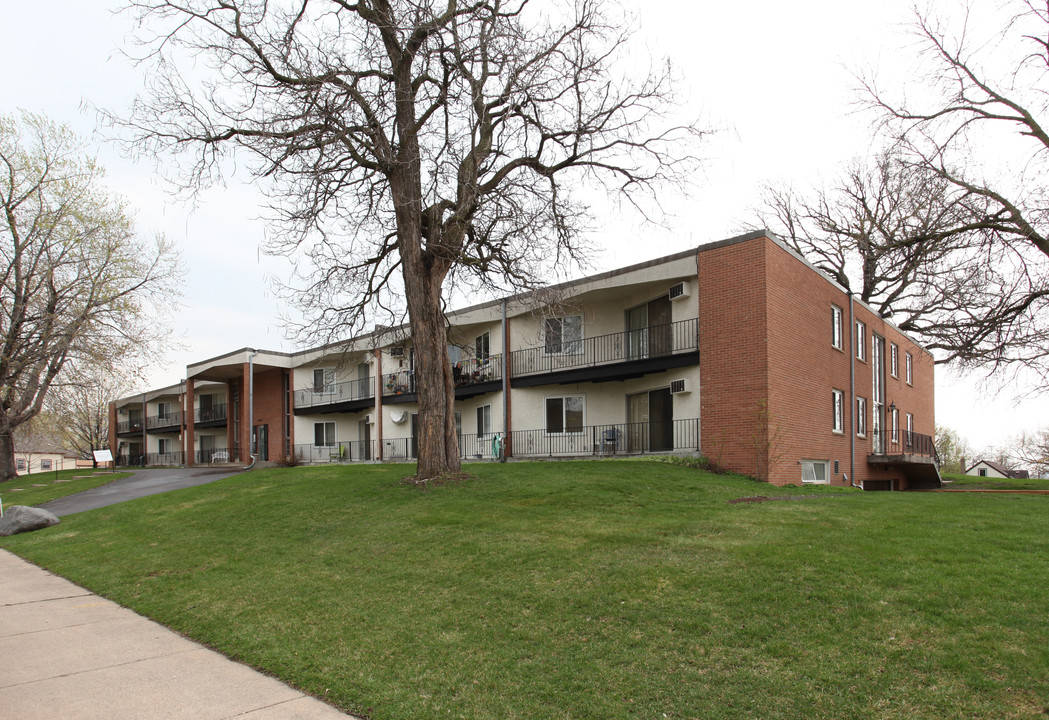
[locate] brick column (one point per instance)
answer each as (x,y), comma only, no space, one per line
(378,404)
(187,423)
(113,431)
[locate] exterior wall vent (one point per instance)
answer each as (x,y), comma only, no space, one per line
(677,387)
(678,291)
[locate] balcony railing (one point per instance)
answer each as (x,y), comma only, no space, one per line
(349,451)
(337,393)
(642,344)
(210,414)
(903,443)
(476,371)
(591,440)
(398,383)
(131,460)
(171,419)
(168,458)
(129,426)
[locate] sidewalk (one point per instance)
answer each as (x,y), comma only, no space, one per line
(68,653)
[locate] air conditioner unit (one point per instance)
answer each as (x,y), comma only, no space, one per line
(368,419)
(397,351)
(678,387)
(678,291)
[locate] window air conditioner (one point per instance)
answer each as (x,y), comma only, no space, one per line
(677,387)
(678,291)
(397,351)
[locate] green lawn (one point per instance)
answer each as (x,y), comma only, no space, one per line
(971,482)
(590,590)
(40,488)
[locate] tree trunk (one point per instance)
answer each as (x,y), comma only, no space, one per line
(8,470)
(437,441)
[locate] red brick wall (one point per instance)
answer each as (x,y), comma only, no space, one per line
(269,407)
(732,353)
(765,346)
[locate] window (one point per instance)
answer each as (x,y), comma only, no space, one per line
(20,464)
(482,346)
(839,411)
(861,416)
(484,420)
(894,360)
(45,464)
(324,434)
(835,326)
(910,369)
(164,446)
(861,341)
(564,414)
(564,335)
(323,380)
(894,424)
(910,430)
(983,472)
(815,471)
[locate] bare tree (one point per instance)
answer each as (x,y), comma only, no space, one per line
(915,247)
(409,145)
(79,404)
(77,284)
(976,120)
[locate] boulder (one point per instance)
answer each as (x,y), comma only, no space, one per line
(20,519)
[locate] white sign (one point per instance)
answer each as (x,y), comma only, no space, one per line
(102,455)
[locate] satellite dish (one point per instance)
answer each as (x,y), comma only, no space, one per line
(398,416)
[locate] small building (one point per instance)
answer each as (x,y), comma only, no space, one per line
(989,468)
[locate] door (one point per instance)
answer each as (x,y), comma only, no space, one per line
(261,442)
(878,444)
(650,421)
(364,434)
(637,332)
(660,340)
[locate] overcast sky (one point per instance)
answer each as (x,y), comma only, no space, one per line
(775,79)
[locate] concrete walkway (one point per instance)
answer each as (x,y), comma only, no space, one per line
(68,653)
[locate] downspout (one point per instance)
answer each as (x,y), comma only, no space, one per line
(852,395)
(251,407)
(506,386)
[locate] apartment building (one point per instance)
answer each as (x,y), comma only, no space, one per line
(738,349)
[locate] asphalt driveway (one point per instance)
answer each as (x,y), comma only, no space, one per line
(139,484)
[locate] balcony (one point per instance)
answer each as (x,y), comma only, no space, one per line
(477,376)
(399,387)
(129,427)
(589,441)
(170,422)
(212,416)
(617,356)
(912,452)
(341,397)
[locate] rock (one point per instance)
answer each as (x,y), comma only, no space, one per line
(20,519)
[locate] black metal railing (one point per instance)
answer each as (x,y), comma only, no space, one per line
(477,370)
(401,382)
(347,451)
(131,460)
(901,442)
(590,440)
(168,458)
(336,393)
(210,414)
(215,455)
(171,419)
(608,439)
(129,426)
(651,342)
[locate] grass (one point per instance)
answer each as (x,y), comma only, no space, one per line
(589,590)
(39,488)
(971,482)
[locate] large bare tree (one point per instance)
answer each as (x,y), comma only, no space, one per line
(78,285)
(973,115)
(79,405)
(411,144)
(918,249)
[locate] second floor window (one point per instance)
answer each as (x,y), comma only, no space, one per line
(894,360)
(839,411)
(564,336)
(861,341)
(910,369)
(835,326)
(323,380)
(482,346)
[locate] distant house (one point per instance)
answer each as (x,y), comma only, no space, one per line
(29,462)
(989,468)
